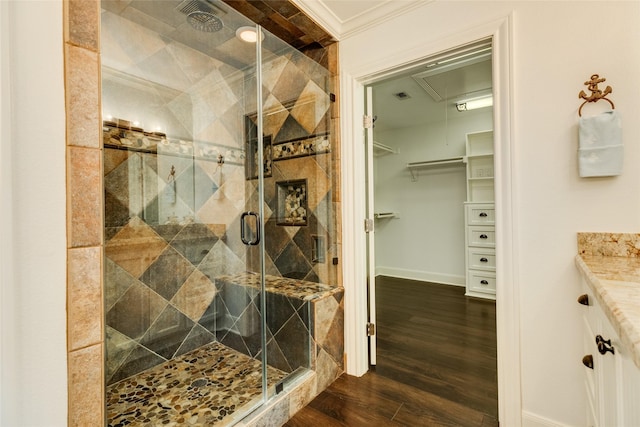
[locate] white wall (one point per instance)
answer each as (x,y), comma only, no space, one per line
(33,336)
(556,47)
(426,241)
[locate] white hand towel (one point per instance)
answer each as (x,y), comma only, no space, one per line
(600,151)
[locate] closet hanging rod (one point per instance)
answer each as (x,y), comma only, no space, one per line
(451,160)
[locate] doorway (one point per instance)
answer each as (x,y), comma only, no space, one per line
(353,81)
(431,262)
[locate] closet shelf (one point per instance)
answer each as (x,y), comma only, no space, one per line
(431,163)
(383,215)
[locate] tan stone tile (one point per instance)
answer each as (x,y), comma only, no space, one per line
(327,370)
(332,53)
(324,312)
(135,247)
(195,295)
(82,25)
(82,89)
(302,395)
(84,197)
(85,387)
(84,297)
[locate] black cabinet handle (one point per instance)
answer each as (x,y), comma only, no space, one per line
(483,214)
(484,282)
(484,259)
(483,236)
(583,299)
(604,345)
(588,361)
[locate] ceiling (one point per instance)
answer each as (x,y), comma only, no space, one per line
(429,91)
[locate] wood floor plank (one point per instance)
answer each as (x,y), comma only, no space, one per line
(436,364)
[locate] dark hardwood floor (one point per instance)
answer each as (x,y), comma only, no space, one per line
(436,364)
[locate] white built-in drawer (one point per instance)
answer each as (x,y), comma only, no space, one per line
(481,259)
(481,281)
(484,236)
(481,214)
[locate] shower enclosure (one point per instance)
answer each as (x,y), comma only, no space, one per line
(220,229)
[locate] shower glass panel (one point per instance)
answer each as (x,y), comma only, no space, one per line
(219,221)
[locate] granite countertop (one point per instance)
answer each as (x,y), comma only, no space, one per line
(615,281)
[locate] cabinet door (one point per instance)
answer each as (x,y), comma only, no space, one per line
(630,377)
(608,376)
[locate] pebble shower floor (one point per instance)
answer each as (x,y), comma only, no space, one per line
(201,388)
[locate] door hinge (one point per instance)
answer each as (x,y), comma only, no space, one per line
(371,329)
(368,121)
(368,225)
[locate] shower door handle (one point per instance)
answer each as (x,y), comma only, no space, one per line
(247,229)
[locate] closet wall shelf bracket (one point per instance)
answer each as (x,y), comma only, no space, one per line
(385,215)
(380,149)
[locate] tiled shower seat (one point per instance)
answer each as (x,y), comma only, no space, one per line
(301,315)
(310,330)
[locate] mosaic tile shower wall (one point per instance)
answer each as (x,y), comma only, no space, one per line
(173,204)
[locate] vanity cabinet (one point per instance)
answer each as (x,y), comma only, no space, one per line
(611,378)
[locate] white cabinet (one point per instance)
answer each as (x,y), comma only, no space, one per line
(480,240)
(612,380)
(480,236)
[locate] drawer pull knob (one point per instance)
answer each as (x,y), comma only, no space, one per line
(483,236)
(484,282)
(583,299)
(588,361)
(484,259)
(604,345)
(483,214)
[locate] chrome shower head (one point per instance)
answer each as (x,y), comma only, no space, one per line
(204,21)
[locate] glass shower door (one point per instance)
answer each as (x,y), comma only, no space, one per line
(184,329)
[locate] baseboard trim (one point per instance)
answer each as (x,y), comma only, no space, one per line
(533,420)
(427,276)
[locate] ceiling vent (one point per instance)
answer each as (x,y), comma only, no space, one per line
(463,71)
(402,95)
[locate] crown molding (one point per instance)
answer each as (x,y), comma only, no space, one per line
(368,18)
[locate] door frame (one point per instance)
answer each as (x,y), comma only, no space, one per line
(353,214)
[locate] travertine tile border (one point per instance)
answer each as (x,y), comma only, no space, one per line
(85,335)
(85,213)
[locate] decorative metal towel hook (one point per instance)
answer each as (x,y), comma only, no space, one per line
(596,93)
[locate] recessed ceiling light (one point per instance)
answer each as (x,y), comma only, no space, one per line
(248,34)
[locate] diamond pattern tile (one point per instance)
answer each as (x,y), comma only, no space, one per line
(169,237)
(135,311)
(168,332)
(195,295)
(194,242)
(168,273)
(310,107)
(135,247)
